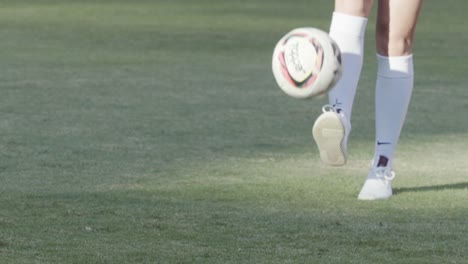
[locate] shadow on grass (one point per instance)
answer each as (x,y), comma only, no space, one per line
(461,185)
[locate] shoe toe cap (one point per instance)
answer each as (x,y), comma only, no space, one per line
(375,189)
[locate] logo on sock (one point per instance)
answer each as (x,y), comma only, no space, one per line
(383,161)
(383,143)
(336,105)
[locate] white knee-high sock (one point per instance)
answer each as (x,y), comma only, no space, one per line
(394,87)
(348,33)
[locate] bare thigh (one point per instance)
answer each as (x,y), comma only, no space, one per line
(360,8)
(396,23)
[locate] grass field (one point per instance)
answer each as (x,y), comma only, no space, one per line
(153,132)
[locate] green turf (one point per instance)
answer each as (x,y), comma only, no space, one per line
(153,132)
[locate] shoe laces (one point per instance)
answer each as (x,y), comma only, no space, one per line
(384,173)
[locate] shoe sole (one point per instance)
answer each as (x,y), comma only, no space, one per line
(365,197)
(329,132)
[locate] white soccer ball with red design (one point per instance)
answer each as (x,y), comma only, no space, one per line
(306,63)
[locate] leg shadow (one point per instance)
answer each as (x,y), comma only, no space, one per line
(455,186)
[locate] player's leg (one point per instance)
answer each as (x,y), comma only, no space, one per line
(395,28)
(332,128)
(347,28)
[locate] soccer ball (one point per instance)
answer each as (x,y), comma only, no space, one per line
(306,63)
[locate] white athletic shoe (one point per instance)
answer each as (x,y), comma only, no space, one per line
(378,184)
(331,131)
